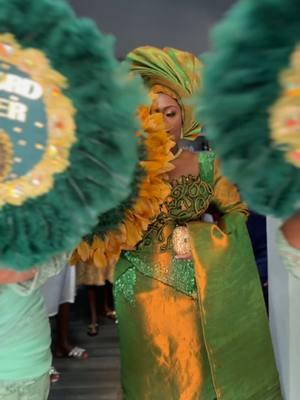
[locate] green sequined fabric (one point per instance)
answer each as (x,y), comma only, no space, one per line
(179,274)
(206,162)
(125,285)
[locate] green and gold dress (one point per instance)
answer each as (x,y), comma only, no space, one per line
(195,329)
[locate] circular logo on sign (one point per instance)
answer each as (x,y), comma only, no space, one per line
(36,123)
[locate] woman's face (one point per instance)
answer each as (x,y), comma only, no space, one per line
(171,112)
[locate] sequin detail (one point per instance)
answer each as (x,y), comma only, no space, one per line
(207,166)
(181,242)
(125,284)
(179,274)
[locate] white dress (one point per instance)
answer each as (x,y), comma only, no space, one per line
(60,289)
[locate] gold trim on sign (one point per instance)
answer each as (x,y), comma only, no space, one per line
(285,113)
(60,116)
(6,155)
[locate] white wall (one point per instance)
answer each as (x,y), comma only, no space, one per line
(284,292)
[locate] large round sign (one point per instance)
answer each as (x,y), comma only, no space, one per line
(68,149)
(36,123)
(251,102)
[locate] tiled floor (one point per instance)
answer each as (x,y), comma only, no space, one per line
(96,378)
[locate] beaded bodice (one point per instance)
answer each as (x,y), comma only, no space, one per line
(189,199)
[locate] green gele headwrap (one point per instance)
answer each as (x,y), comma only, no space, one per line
(77,111)
(242,83)
(176,70)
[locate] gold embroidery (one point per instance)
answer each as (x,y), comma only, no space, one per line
(189,199)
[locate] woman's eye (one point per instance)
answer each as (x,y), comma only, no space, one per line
(171,114)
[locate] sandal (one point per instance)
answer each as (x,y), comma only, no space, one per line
(93,329)
(111,315)
(78,353)
(54,375)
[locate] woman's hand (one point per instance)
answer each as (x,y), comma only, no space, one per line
(291,231)
(8,276)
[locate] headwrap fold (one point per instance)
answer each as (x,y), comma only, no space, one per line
(173,72)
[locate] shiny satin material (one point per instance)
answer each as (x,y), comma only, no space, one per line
(195,329)
(163,353)
(233,315)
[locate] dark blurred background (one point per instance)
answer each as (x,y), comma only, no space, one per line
(183,24)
